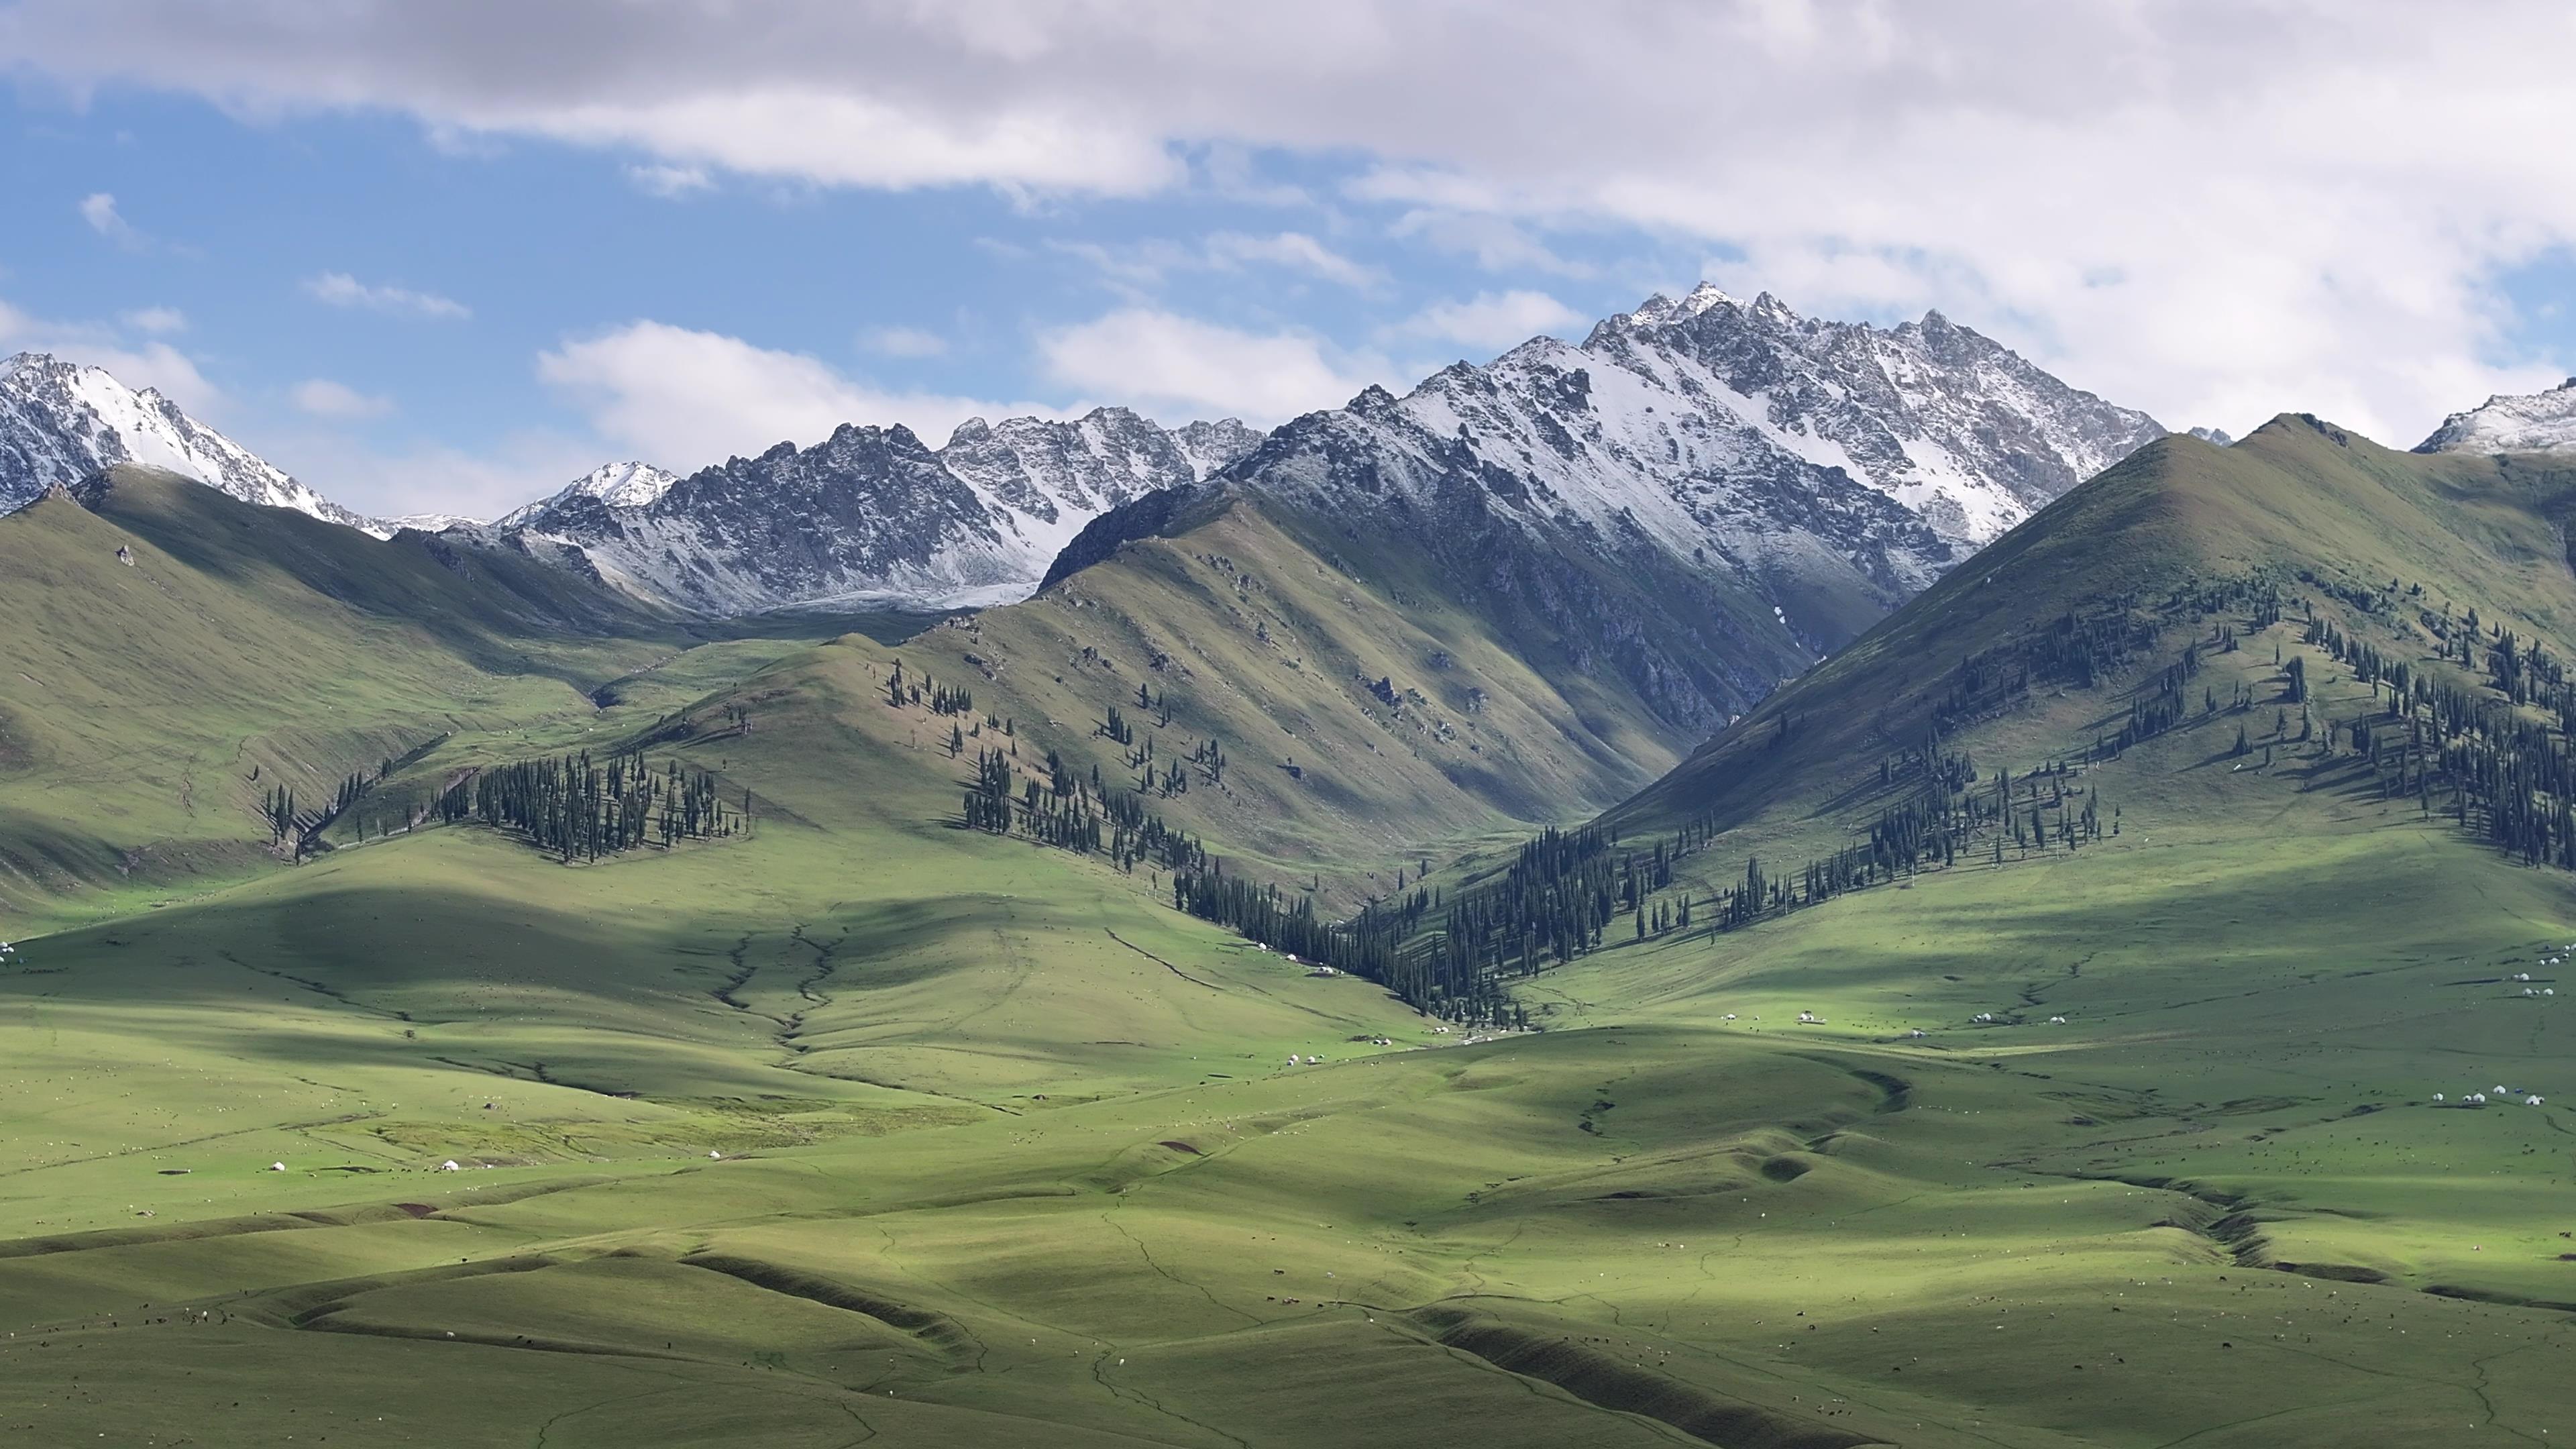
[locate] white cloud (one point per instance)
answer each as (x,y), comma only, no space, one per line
(686,399)
(155,320)
(323,398)
(1295,251)
(350,470)
(99,210)
(1497,243)
(342,290)
(1179,367)
(2212,210)
(904,342)
(669,182)
(1493,320)
(1134,269)
(154,364)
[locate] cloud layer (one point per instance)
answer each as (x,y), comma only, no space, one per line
(2212,208)
(682,399)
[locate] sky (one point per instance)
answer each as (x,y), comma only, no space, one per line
(447,257)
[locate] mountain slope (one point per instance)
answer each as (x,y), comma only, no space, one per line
(177,654)
(869,515)
(60,422)
(2038,649)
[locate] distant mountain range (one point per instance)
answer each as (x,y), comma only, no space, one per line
(1836,467)
(870,515)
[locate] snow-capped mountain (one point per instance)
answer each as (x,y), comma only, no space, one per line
(429,522)
(1703,488)
(2540,422)
(1737,434)
(870,514)
(61,421)
(619,485)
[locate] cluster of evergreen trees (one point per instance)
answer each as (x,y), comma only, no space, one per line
(1071,812)
(577,808)
(942,699)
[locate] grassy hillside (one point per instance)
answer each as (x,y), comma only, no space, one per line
(857,1124)
(148,707)
(2328,518)
(1367,714)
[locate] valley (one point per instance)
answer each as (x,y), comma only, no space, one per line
(2049,1020)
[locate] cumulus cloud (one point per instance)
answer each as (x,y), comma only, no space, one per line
(99,210)
(1179,367)
(151,363)
(342,290)
(323,398)
(686,398)
(1492,320)
(2210,209)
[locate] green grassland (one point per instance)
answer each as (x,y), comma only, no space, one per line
(1004,1150)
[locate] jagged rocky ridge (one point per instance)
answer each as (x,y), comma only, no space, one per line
(61,422)
(2541,422)
(870,514)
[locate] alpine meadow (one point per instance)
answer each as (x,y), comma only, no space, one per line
(1727,878)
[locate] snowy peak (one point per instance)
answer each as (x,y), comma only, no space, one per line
(62,421)
(1662,311)
(618,485)
(2541,422)
(873,514)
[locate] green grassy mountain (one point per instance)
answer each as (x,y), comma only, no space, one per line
(173,654)
(2136,562)
(855,1124)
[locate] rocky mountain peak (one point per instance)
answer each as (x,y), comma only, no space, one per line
(2540,422)
(61,421)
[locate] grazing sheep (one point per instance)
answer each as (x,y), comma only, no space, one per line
(1918,1033)
(2057,1021)
(2531,1101)
(2437,1096)
(277,1167)
(449,1166)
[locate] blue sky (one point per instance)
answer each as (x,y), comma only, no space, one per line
(446,258)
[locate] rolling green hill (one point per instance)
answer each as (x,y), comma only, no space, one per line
(853,1124)
(1368,709)
(150,701)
